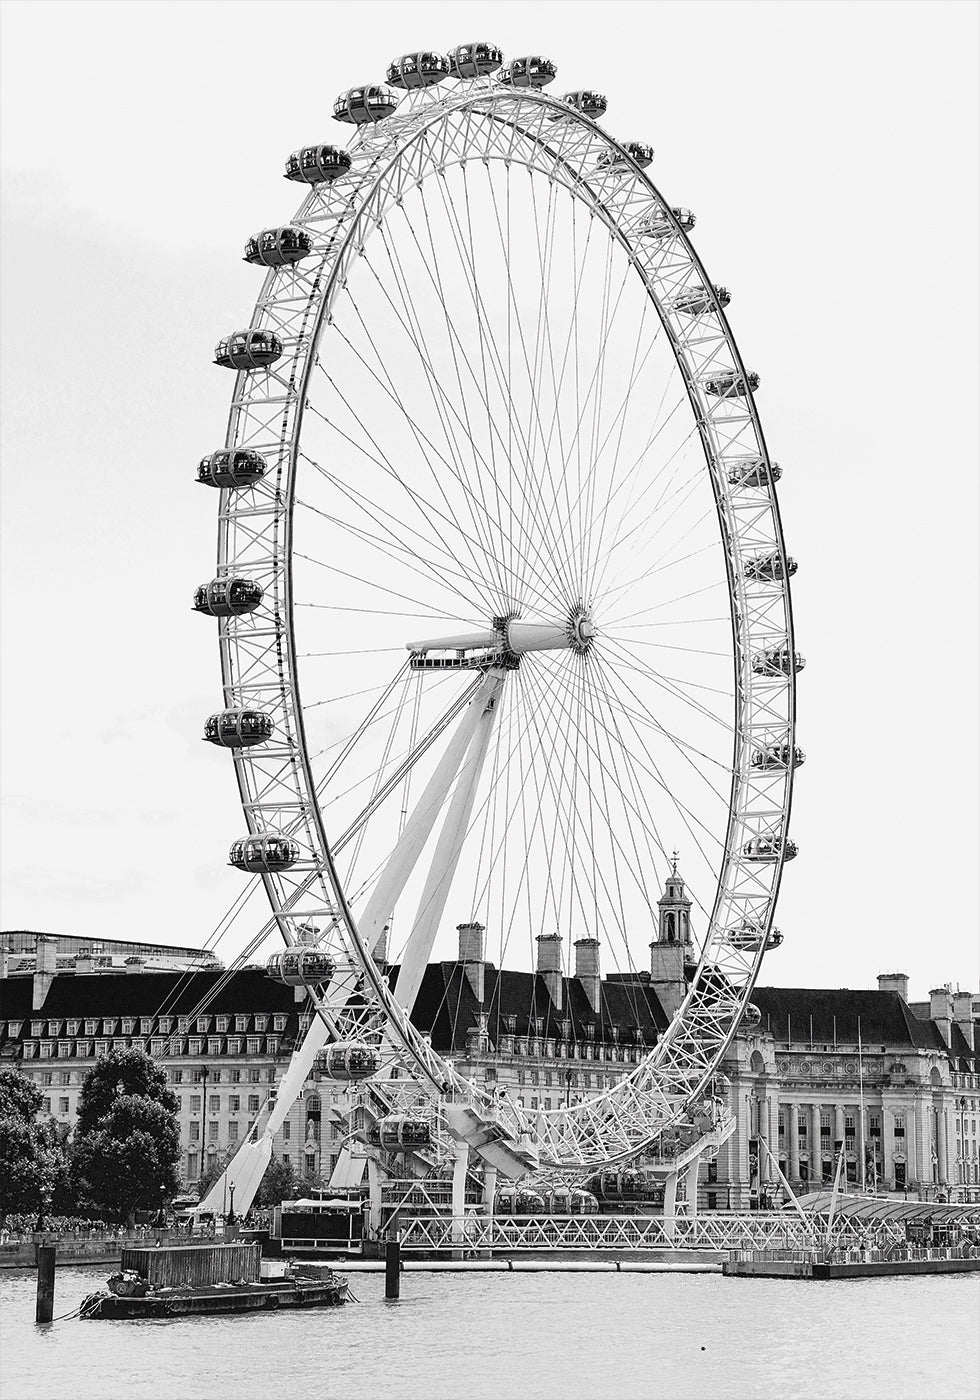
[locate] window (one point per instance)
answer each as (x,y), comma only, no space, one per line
(176,1076)
(534,1103)
(221,1024)
(241,1023)
(146,1025)
(235,1076)
(286,1158)
(54,1027)
(72,1027)
(45,1049)
(156,1048)
(128,1025)
(195,1103)
(712,1200)
(712,1172)
(214,1047)
(202,1024)
(234,1103)
(232,1132)
(900,1125)
(64,1049)
(195,1131)
(91,1027)
(62,1105)
(270,1075)
(64,1076)
(252,1045)
(272,1045)
(253,1103)
(874,1125)
(214,1103)
(212,1131)
(278,1023)
(253,1076)
(261,1022)
(287,1130)
(47,1105)
(199,1075)
(194,1047)
(900,1175)
(166,1024)
(108,1026)
(234,1046)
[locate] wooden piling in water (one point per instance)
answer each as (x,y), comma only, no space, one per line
(393,1267)
(45,1283)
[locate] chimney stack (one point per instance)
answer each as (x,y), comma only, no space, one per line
(963,1016)
(587,968)
(941,1010)
(471,955)
(894,982)
(549,965)
(45,967)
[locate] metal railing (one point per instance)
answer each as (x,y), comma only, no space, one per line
(760,1230)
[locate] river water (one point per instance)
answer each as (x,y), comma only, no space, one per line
(519,1337)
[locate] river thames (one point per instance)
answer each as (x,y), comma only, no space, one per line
(532,1337)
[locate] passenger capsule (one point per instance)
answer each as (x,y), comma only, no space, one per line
(769,568)
(751,1017)
(474,60)
(518,1200)
(696,301)
(228,597)
(625,1186)
(632,153)
(301,967)
(251,349)
(278,247)
(531,72)
(231,468)
(590,104)
(400,1132)
(361,105)
(753,471)
(418,70)
(730,383)
(767,848)
(263,854)
(776,758)
(749,937)
(317,165)
(658,226)
(777,661)
(238,729)
(349,1060)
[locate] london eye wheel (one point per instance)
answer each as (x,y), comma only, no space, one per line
(503,601)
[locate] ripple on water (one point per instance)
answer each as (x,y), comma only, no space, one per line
(520,1337)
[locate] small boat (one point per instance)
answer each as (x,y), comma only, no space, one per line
(129,1295)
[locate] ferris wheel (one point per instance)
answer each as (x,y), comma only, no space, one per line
(502,595)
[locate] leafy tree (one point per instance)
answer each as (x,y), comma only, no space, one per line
(119,1073)
(127,1144)
(29,1151)
(216,1164)
(278,1184)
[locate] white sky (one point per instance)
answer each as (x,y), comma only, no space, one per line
(830,153)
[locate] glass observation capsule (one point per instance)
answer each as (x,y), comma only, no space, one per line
(590,104)
(730,383)
(250,349)
(777,661)
(238,729)
(418,70)
(624,1185)
(231,467)
(776,758)
(696,301)
(766,849)
(749,937)
(301,967)
(263,854)
(400,1132)
(531,72)
(659,226)
(361,105)
(633,152)
(753,471)
(278,247)
(350,1060)
(474,60)
(228,597)
(518,1200)
(317,165)
(769,568)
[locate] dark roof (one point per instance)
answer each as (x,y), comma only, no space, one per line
(884,1017)
(145,994)
(447,1007)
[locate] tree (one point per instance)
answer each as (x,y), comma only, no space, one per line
(216,1163)
(119,1073)
(29,1155)
(278,1184)
(127,1144)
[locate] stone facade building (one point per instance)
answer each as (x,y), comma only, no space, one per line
(894,1085)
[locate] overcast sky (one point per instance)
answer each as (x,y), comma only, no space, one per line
(830,153)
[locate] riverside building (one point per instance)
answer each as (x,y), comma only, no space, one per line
(894,1085)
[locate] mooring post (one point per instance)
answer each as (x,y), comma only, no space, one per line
(393,1266)
(45,1283)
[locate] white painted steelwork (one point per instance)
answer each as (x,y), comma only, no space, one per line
(433,132)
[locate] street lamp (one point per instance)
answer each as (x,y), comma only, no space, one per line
(204,1111)
(231,1208)
(962,1152)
